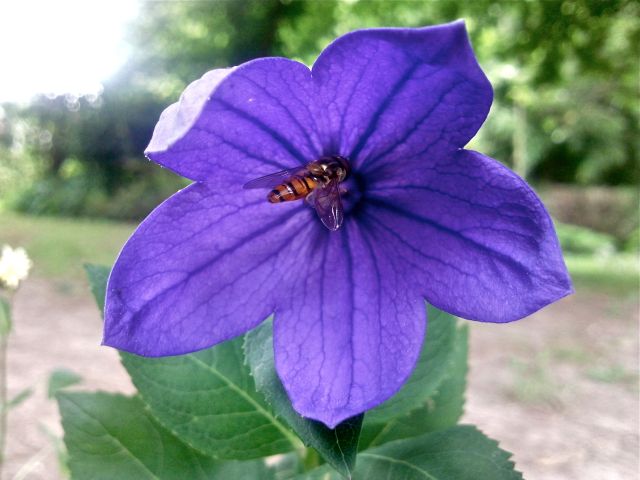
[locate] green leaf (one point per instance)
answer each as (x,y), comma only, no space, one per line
(5,318)
(18,399)
(61,453)
(113,437)
(337,446)
(458,453)
(445,408)
(429,371)
(98,276)
(61,378)
(440,410)
(209,400)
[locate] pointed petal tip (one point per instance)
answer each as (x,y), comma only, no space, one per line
(133,346)
(485,232)
(176,120)
(514,316)
(566,290)
(113,342)
(182,278)
(349,337)
(330,418)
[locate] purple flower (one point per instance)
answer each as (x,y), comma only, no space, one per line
(423,218)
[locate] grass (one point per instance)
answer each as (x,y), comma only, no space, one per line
(616,273)
(60,246)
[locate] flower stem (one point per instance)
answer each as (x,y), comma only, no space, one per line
(5,329)
(3,398)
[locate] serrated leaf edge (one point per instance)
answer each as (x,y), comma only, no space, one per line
(507,454)
(389,424)
(293,440)
(67,396)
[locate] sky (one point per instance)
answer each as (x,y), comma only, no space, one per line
(60,46)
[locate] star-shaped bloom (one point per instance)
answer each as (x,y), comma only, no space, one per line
(423,218)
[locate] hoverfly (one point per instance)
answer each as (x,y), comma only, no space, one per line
(318,183)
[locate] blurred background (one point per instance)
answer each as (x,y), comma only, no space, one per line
(83,84)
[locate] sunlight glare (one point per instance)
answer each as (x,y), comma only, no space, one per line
(61,46)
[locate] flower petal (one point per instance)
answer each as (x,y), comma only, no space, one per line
(395,93)
(176,120)
(479,240)
(202,268)
(234,125)
(347,334)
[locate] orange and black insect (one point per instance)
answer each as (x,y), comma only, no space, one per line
(316,182)
(296,188)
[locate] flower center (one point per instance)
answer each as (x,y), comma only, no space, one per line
(331,189)
(336,168)
(351,193)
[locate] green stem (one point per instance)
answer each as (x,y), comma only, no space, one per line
(5,329)
(3,398)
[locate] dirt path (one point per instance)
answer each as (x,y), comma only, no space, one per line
(559,389)
(55,326)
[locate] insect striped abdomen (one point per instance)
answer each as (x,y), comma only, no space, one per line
(296,188)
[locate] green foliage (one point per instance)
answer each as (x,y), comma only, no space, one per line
(98,275)
(430,370)
(17,173)
(445,408)
(78,192)
(5,318)
(17,400)
(59,247)
(433,397)
(61,379)
(209,400)
(632,243)
(65,196)
(565,75)
(112,436)
(617,275)
(460,453)
(177,42)
(575,239)
(337,447)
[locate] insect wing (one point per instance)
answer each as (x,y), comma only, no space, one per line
(326,201)
(273,179)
